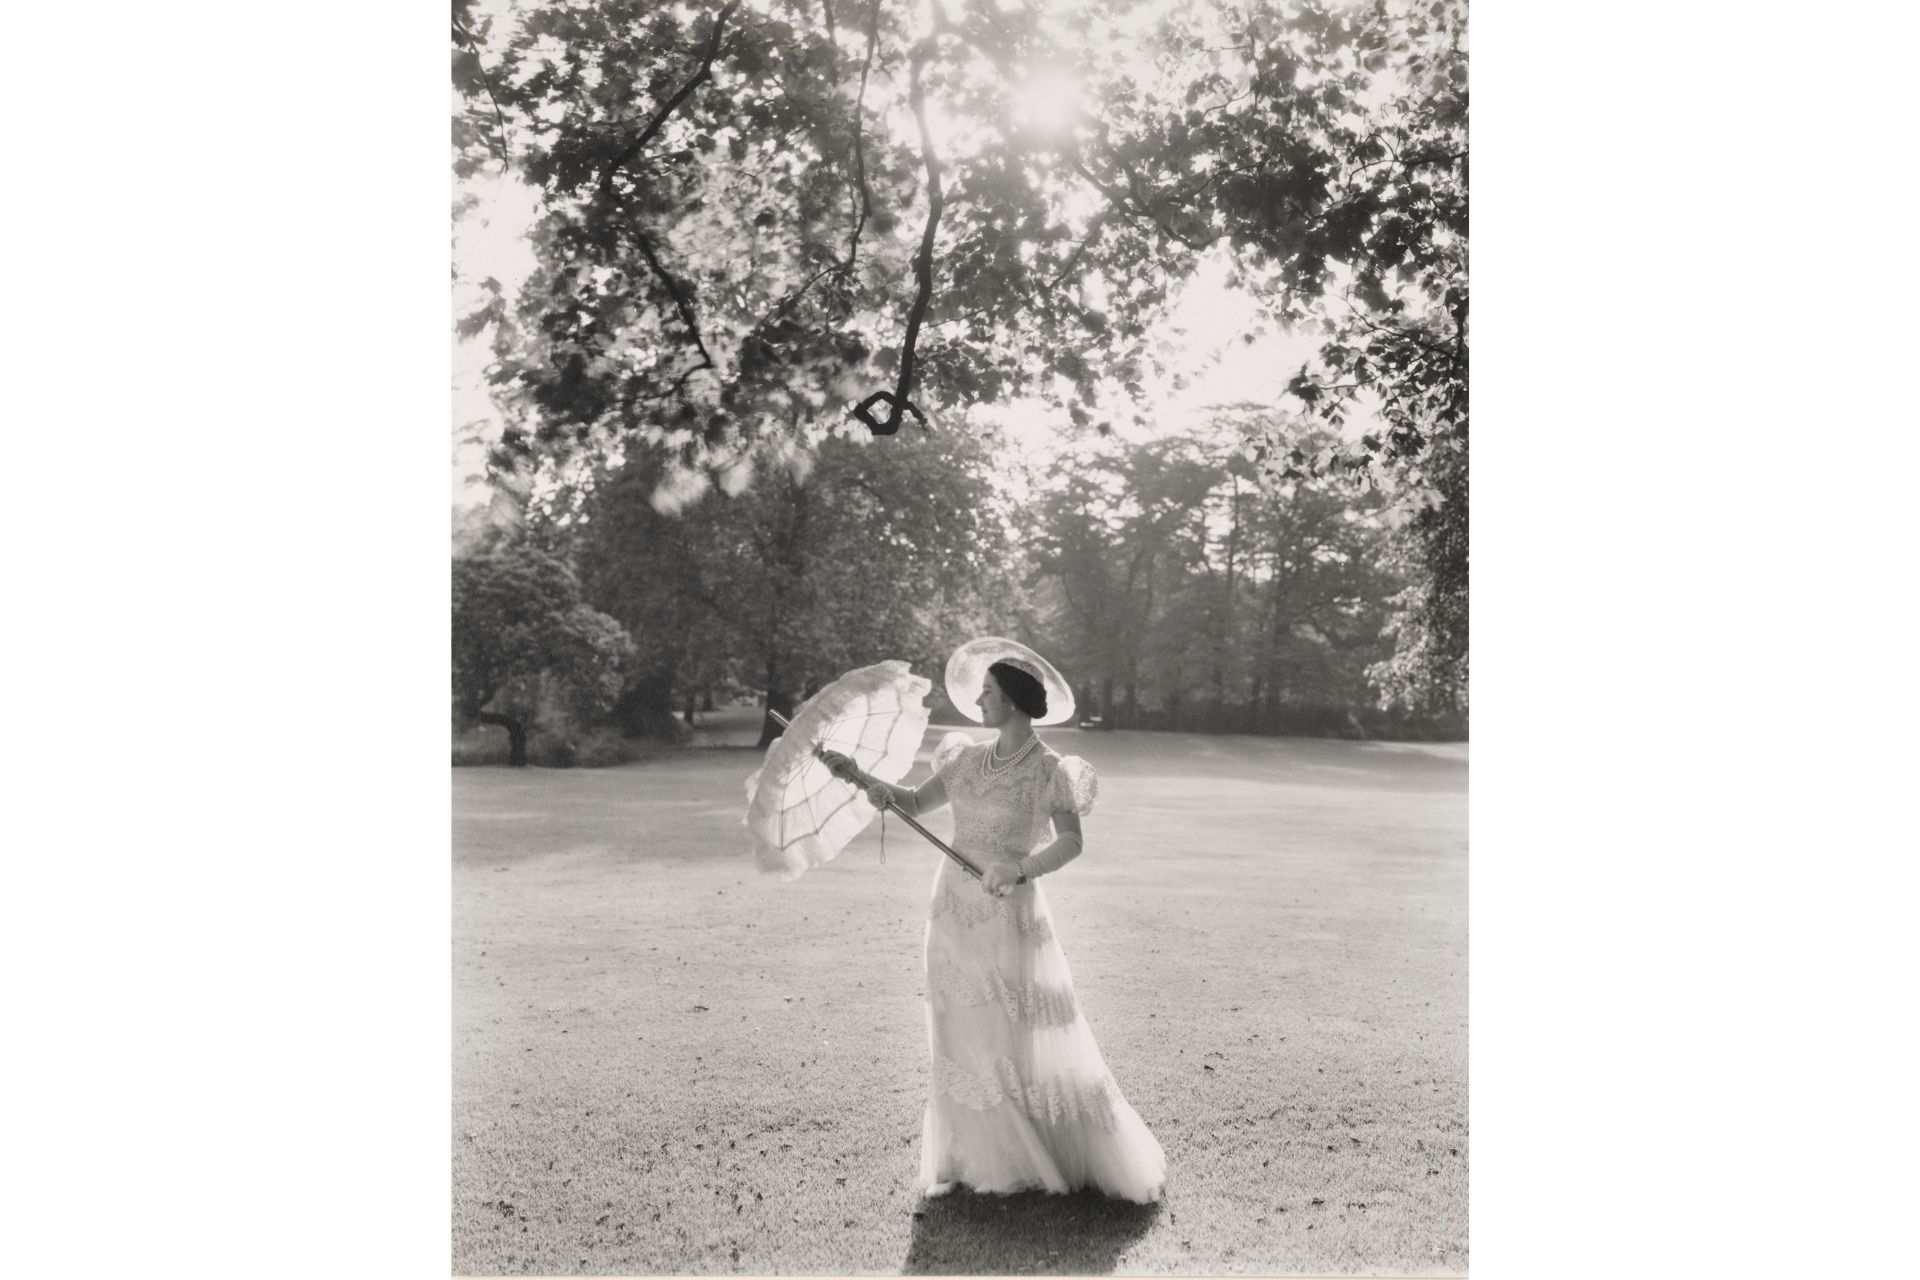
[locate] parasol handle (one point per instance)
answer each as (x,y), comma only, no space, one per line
(903,815)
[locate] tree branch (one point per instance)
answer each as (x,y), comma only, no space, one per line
(660,117)
(682,300)
(1222,106)
(1433,157)
(863,208)
(899,401)
(859,138)
(1093,233)
(936,201)
(786,304)
(1120,199)
(1405,335)
(1047,288)
(466,37)
(682,303)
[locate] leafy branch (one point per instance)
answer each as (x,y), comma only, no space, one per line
(898,400)
(465,37)
(682,298)
(661,116)
(859,138)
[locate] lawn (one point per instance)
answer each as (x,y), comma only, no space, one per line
(666,1062)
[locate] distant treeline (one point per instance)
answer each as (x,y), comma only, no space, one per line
(1178,586)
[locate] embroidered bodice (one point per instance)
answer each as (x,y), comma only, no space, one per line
(1008,814)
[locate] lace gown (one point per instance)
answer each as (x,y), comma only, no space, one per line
(1021,1096)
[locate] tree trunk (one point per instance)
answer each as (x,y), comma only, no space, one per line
(687,709)
(645,707)
(1226,632)
(778,699)
(516,736)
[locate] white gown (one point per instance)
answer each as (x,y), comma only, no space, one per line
(1021,1096)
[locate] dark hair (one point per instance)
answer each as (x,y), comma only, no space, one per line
(1028,695)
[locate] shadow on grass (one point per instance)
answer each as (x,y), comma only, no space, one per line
(1033,1233)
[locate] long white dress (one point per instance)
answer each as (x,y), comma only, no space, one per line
(1021,1096)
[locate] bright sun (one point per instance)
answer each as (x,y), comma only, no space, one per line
(1048,101)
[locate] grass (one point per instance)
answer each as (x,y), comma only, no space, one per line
(667,1063)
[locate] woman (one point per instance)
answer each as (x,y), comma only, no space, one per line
(1021,1096)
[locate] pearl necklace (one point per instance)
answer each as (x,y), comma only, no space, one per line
(992,766)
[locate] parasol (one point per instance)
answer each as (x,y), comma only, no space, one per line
(799,813)
(961,858)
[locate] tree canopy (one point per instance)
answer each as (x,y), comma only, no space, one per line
(838,557)
(765,219)
(1188,595)
(521,635)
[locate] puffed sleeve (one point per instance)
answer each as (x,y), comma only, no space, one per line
(947,754)
(1074,786)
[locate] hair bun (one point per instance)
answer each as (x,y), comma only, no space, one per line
(1026,692)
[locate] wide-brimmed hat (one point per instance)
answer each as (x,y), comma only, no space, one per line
(967,669)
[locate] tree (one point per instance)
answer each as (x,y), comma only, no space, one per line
(1209,594)
(1428,667)
(1115,538)
(1318,591)
(757,224)
(834,558)
(521,630)
(1339,174)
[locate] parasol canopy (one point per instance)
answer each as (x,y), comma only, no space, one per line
(799,814)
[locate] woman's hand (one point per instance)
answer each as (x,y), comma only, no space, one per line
(841,766)
(879,795)
(1000,878)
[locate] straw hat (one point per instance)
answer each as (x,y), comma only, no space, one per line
(967,671)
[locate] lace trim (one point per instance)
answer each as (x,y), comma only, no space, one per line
(1028,1004)
(1004,815)
(1057,1102)
(948,752)
(972,907)
(1074,786)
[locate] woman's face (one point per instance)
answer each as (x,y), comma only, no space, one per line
(993,703)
